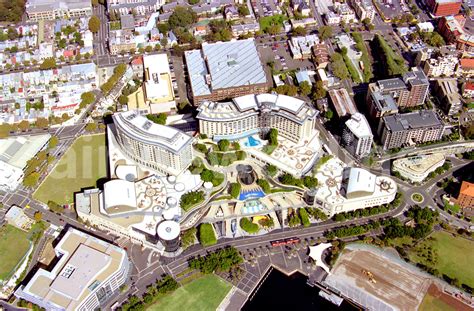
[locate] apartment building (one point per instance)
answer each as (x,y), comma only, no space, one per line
(254,114)
(225,70)
(37,10)
(158,147)
(363,9)
(448,93)
(441,66)
(411,128)
(410,90)
(88,272)
(139,7)
(357,136)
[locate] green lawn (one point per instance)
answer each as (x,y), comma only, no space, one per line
(80,167)
(431,303)
(203,294)
(13,246)
(455,256)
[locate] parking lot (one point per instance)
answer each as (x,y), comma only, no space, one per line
(279,55)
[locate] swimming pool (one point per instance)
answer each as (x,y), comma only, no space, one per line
(253,207)
(251,194)
(252,142)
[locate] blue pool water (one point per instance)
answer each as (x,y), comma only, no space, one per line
(252,142)
(253,194)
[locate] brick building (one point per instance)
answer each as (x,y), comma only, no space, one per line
(444,7)
(466,195)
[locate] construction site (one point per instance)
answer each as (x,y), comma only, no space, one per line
(377,279)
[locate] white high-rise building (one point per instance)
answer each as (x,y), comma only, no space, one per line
(357,136)
(161,148)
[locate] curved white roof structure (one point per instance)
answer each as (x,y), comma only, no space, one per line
(316,253)
(142,129)
(168,230)
(244,106)
(118,193)
(360,183)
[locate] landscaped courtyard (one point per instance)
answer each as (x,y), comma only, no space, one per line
(205,293)
(14,244)
(81,166)
(453,256)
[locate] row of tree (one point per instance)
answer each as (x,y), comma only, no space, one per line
(220,260)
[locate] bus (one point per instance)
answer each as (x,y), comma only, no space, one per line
(287,241)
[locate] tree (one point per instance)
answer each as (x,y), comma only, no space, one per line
(38,216)
(48,63)
(329,114)
(91,126)
(305,88)
(53,142)
(148,49)
(310,182)
(193,2)
(243,10)
(23,125)
(188,237)
(318,91)
(87,98)
(31,180)
(273,137)
(158,118)
(325,32)
(223,145)
(299,31)
(182,17)
(94,24)
(436,40)
(271,170)
(95,3)
(123,100)
(264,185)
(163,28)
(42,122)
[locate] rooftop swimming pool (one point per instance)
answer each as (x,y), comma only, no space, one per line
(251,194)
(252,142)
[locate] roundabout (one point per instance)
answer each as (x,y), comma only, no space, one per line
(417,198)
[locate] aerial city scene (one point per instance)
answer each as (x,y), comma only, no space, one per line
(201,155)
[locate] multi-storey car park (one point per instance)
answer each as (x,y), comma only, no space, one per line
(88,272)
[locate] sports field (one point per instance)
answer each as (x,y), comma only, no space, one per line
(205,293)
(455,256)
(80,167)
(13,246)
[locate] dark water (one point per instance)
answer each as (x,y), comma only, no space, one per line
(280,292)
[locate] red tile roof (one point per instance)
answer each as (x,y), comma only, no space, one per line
(467,63)
(469,86)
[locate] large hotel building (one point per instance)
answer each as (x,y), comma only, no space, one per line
(158,147)
(254,114)
(225,70)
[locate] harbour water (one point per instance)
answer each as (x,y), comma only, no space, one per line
(282,292)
